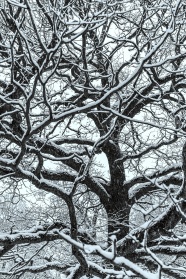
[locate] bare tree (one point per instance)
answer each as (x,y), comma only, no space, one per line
(92,128)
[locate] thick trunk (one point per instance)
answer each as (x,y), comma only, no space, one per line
(117,207)
(118,217)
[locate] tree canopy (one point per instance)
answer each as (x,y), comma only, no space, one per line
(92,139)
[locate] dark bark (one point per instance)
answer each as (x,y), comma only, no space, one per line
(117,207)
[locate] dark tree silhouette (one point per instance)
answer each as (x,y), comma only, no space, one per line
(92,128)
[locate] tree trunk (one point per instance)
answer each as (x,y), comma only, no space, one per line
(117,208)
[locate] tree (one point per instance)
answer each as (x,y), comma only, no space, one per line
(92,127)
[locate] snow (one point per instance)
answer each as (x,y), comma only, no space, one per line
(90,248)
(135,268)
(37,231)
(113,238)
(170,58)
(108,255)
(110,271)
(15,3)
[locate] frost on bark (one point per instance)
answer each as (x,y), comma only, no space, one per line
(92,139)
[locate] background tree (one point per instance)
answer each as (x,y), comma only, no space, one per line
(92,127)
